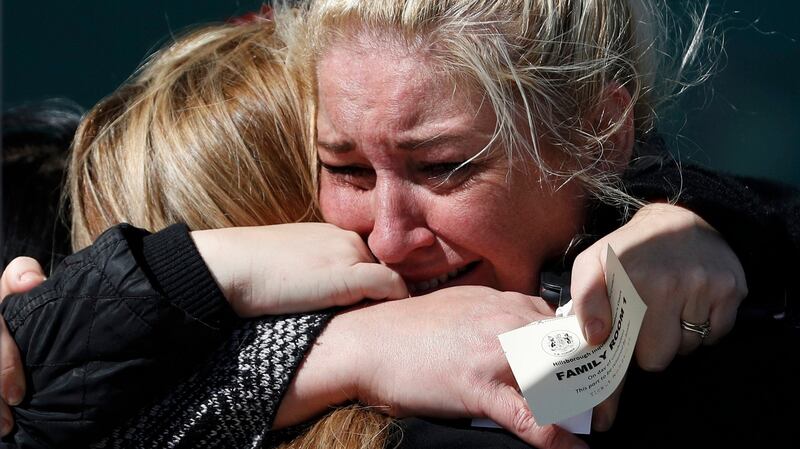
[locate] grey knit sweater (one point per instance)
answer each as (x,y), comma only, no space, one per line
(232,401)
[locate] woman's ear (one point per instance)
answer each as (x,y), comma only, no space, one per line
(614,114)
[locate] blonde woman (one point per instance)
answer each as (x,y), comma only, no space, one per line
(417,356)
(467,141)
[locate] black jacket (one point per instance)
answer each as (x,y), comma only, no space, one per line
(137,316)
(117,323)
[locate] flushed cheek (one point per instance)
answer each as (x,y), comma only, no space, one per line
(540,231)
(476,231)
(507,232)
(345,208)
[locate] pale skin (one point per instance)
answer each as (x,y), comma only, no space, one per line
(408,225)
(301,267)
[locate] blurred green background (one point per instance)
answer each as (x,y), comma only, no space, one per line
(746,120)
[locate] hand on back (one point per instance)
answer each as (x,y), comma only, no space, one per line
(438,355)
(683,270)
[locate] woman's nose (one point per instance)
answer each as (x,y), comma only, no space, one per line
(399,222)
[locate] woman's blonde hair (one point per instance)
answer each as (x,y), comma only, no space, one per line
(214,130)
(547,64)
(350,427)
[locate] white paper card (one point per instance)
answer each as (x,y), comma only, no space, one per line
(559,374)
(578,424)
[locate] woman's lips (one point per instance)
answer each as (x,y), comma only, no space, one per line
(433,283)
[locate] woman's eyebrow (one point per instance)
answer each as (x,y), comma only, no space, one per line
(409,144)
(336,147)
(437,141)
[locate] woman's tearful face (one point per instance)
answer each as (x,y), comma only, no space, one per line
(397,144)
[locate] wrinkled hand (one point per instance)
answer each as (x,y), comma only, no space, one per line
(21,275)
(683,270)
(294,268)
(433,355)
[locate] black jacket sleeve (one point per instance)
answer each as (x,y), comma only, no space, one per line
(116,324)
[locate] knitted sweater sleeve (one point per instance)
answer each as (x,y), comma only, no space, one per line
(231,402)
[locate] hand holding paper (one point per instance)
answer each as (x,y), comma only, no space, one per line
(559,374)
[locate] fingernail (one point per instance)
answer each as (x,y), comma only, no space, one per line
(14,395)
(5,426)
(593,329)
(30,276)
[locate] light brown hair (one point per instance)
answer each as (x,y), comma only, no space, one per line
(214,130)
(350,427)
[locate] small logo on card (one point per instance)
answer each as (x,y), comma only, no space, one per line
(560,343)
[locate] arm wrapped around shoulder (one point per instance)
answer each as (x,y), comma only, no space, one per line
(116,324)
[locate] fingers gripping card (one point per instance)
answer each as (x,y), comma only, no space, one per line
(559,374)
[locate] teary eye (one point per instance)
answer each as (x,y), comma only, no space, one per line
(443,168)
(447,175)
(354,175)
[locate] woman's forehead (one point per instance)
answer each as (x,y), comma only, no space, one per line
(374,91)
(370,38)
(347,70)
